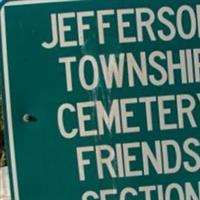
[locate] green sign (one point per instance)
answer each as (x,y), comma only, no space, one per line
(102,99)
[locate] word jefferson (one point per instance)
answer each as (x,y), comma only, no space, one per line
(65,34)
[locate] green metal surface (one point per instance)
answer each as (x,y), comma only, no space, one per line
(46,165)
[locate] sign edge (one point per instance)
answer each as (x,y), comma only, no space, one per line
(8,109)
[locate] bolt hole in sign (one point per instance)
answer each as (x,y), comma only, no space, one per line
(113,88)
